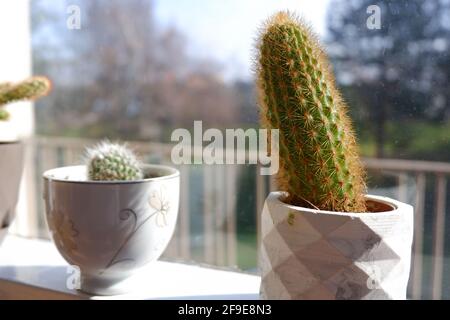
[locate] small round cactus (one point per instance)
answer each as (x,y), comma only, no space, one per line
(112,161)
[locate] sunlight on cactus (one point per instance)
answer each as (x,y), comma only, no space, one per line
(111,161)
(319,162)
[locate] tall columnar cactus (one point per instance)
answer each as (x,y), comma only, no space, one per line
(110,161)
(29,89)
(319,163)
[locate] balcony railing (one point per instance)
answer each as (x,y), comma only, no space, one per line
(208,228)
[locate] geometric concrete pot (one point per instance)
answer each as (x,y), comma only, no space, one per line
(314,254)
(110,229)
(11,166)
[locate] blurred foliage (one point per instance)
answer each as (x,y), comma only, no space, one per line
(133,79)
(122,75)
(395,76)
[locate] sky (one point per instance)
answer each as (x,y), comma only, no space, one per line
(225,30)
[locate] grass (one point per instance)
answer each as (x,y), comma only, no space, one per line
(246,251)
(417,140)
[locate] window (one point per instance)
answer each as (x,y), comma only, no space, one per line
(136,70)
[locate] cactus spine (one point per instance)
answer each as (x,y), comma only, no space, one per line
(29,89)
(319,163)
(111,161)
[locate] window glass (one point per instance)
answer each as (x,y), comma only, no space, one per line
(137,70)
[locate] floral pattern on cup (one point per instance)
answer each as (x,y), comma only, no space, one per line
(66,230)
(160,203)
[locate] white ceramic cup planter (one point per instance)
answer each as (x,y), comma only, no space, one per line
(110,229)
(313,254)
(11,166)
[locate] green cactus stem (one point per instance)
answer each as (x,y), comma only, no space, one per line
(319,162)
(29,89)
(111,161)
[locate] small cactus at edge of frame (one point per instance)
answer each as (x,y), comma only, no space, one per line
(29,89)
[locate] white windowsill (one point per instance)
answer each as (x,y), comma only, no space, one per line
(33,269)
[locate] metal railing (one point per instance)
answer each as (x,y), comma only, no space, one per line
(208,228)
